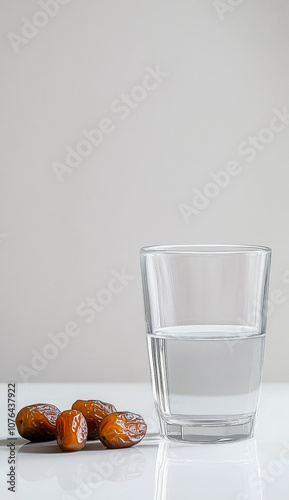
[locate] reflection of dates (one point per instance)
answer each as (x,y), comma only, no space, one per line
(131,465)
(30,467)
(94,412)
(72,473)
(79,469)
(69,473)
(71,430)
(122,429)
(37,422)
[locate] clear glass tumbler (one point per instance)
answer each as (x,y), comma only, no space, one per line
(206,312)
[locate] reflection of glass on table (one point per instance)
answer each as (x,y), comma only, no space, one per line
(229,471)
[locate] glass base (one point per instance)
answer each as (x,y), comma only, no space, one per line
(205,432)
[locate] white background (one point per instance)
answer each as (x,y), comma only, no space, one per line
(60,242)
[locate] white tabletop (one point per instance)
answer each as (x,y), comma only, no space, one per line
(156,469)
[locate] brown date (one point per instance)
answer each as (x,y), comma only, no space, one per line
(94,412)
(122,429)
(37,422)
(71,430)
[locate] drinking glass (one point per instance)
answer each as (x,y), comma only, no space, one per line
(206,311)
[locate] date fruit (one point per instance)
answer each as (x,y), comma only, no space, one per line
(122,429)
(94,412)
(71,430)
(37,422)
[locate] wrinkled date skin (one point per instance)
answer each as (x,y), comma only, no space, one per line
(122,429)
(71,430)
(94,412)
(37,422)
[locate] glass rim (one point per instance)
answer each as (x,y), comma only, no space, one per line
(205,249)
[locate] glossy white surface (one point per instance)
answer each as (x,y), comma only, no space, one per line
(257,469)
